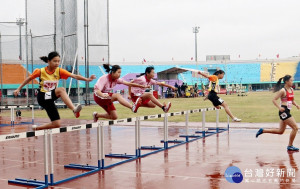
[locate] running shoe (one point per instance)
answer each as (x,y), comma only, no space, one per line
(236,119)
(77,110)
(292,148)
(95,117)
(136,105)
(167,107)
(259,132)
(34,127)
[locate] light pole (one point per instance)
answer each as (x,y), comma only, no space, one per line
(20,22)
(196,31)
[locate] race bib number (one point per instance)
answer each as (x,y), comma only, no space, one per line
(283,115)
(50,85)
(48,95)
(289,104)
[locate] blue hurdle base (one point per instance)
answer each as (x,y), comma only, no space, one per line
(83,167)
(30,182)
(173,141)
(151,148)
(75,177)
(191,136)
(120,156)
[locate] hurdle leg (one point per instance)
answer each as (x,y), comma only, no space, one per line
(203,123)
(51,158)
(186,126)
(32,114)
(217,120)
(228,122)
(100,146)
(137,137)
(166,131)
(102,154)
(46,157)
(12,116)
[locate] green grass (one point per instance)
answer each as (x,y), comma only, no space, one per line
(256,107)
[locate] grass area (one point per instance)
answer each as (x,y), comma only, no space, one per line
(255,108)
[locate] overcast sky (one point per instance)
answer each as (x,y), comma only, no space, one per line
(159,30)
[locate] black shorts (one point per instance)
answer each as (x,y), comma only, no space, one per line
(213,97)
(49,105)
(285,114)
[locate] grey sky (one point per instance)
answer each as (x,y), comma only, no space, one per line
(158,30)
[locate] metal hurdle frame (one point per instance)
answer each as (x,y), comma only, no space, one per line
(12,115)
(48,144)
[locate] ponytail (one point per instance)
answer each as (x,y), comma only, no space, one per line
(44,58)
(277,86)
(113,68)
(106,67)
(219,72)
(50,56)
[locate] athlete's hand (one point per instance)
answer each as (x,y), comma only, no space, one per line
(281,109)
(146,86)
(298,107)
(105,95)
(16,92)
(129,97)
(92,78)
(174,88)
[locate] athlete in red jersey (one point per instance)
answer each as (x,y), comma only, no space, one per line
(286,95)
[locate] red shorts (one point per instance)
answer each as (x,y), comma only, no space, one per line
(106,104)
(144,102)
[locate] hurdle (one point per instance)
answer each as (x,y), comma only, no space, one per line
(100,164)
(12,114)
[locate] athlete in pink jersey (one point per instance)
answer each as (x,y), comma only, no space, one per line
(104,97)
(286,95)
(146,99)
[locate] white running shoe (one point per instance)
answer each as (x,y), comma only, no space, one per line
(136,105)
(167,107)
(34,127)
(77,110)
(236,119)
(95,117)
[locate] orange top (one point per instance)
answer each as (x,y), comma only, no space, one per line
(213,78)
(64,74)
(214,83)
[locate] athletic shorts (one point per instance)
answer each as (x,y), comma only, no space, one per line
(144,101)
(48,104)
(106,104)
(285,114)
(213,97)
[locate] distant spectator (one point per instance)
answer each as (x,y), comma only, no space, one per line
(196,90)
(179,91)
(192,92)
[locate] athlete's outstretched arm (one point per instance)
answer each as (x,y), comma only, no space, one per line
(27,80)
(203,74)
(79,77)
(165,85)
(130,84)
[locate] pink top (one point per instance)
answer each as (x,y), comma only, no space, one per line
(105,83)
(142,80)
